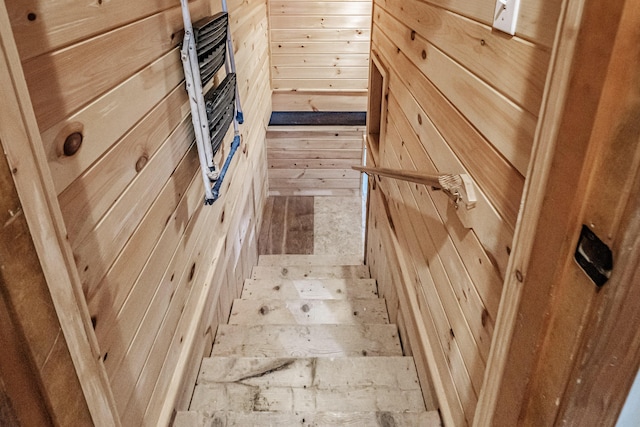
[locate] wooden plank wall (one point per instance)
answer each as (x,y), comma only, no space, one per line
(158,269)
(319,54)
(314,160)
(461,99)
(35,363)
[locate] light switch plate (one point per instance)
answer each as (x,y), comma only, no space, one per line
(506,15)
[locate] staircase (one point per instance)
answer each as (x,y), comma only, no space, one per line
(293,353)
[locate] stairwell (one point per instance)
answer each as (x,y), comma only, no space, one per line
(309,344)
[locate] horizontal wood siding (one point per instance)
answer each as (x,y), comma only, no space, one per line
(159,270)
(461,99)
(314,160)
(319,54)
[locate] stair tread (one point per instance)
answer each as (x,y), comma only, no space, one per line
(308,419)
(307,340)
(309,288)
(312,372)
(311,272)
(210,398)
(308,311)
(289,260)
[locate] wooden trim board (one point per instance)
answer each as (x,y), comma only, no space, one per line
(23,147)
(551,318)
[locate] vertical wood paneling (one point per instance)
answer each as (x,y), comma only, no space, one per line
(461,99)
(319,49)
(148,252)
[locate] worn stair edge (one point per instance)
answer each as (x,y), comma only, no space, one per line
(307,341)
(306,260)
(309,289)
(308,312)
(308,419)
(311,272)
(210,398)
(397,372)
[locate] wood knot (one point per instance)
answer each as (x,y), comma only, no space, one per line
(141,163)
(413,35)
(72,144)
(306,308)
(424,54)
(285,271)
(192,272)
(485,317)
(31,16)
(264,310)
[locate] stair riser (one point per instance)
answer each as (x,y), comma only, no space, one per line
(307,260)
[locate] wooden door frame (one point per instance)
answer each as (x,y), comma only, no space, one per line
(22,145)
(556,336)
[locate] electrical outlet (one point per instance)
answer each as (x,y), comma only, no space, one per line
(506,15)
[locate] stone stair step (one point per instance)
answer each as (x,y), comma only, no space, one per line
(307,341)
(308,312)
(397,372)
(284,260)
(308,419)
(309,289)
(311,272)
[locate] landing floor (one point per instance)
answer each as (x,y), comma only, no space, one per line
(312,225)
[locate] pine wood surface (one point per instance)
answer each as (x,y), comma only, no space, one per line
(319,46)
(313,160)
(261,372)
(306,312)
(260,289)
(274,260)
(443,89)
(387,261)
(326,419)
(307,100)
(103,125)
(129,197)
(26,160)
(310,272)
(586,341)
(287,226)
(307,340)
(513,66)
(62,81)
(507,125)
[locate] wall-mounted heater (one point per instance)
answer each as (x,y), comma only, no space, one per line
(205,48)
